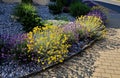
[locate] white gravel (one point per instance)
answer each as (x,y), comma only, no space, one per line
(8,25)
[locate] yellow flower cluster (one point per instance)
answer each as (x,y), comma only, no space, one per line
(50,44)
(92,24)
(30,41)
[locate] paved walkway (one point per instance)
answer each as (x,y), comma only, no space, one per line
(111,4)
(114,2)
(109,61)
(101,60)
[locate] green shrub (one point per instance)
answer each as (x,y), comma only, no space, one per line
(55,9)
(26,1)
(48,45)
(78,9)
(27,16)
(68,2)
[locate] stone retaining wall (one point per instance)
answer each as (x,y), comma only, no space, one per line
(41,2)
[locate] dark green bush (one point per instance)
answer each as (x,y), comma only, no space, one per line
(78,9)
(55,9)
(26,1)
(68,2)
(27,16)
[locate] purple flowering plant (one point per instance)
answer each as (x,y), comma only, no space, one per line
(20,48)
(13,45)
(4,46)
(99,14)
(76,31)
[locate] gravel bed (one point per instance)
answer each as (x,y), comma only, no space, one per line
(13,69)
(8,25)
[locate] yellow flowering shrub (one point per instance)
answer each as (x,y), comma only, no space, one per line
(48,45)
(91,26)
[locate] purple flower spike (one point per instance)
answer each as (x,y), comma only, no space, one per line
(99,14)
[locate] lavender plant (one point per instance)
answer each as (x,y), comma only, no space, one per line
(19,48)
(4,46)
(99,14)
(12,45)
(72,29)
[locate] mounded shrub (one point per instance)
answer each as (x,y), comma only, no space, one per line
(69,2)
(72,30)
(78,9)
(100,12)
(48,45)
(7,43)
(28,17)
(19,49)
(91,26)
(56,8)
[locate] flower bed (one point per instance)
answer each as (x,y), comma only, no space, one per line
(43,47)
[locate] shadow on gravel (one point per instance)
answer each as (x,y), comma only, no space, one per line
(110,6)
